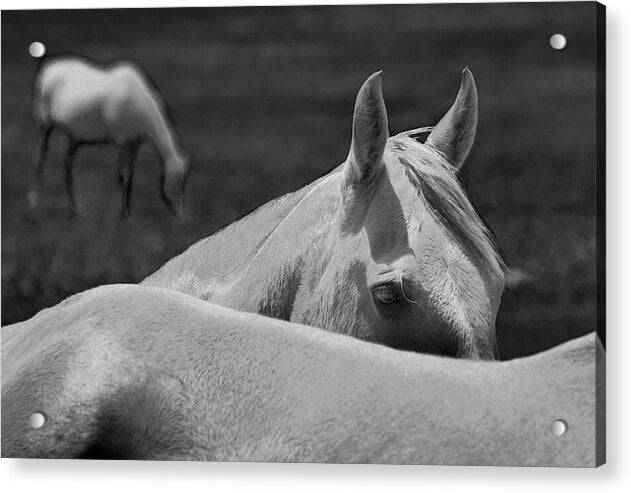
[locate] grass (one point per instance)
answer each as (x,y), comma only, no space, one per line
(263,100)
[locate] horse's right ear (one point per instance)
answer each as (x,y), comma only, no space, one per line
(370,133)
(454,134)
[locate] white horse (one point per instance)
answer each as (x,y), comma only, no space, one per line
(115,104)
(386,247)
(131,372)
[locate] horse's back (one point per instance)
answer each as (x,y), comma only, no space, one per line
(135,372)
(568,383)
(132,372)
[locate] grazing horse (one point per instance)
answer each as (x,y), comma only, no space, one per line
(386,248)
(131,372)
(115,104)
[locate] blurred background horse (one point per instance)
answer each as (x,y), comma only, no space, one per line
(107,104)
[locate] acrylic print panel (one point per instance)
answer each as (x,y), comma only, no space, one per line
(401,220)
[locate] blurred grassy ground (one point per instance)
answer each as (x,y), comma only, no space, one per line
(263,99)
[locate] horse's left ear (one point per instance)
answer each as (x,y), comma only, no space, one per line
(370,134)
(454,134)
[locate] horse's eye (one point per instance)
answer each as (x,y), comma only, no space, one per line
(386,294)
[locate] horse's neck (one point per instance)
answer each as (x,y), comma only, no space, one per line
(249,264)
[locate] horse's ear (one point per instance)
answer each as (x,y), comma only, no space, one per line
(454,134)
(370,133)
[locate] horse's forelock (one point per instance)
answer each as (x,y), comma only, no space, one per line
(437,183)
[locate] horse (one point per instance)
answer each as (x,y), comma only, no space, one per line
(113,104)
(135,372)
(386,247)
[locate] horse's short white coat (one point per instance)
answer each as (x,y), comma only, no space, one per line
(386,248)
(133,372)
(108,104)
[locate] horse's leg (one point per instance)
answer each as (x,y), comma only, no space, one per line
(39,156)
(68,160)
(127,153)
(41,149)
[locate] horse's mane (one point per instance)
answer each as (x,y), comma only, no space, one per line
(438,184)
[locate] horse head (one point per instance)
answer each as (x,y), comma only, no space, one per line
(407,262)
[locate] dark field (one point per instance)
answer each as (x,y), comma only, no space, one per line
(263,100)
